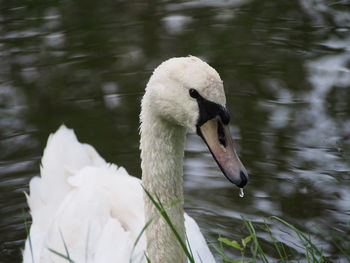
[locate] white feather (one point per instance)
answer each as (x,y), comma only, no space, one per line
(94,208)
(93,211)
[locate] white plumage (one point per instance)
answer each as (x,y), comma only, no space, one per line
(92,211)
(93,207)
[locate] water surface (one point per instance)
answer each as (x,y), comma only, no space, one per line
(285,66)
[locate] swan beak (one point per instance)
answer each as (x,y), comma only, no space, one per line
(218,138)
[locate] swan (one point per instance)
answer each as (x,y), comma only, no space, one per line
(87,210)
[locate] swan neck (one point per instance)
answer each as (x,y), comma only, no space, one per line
(162,152)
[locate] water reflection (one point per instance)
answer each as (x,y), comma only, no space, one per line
(285,66)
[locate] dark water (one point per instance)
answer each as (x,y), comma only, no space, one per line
(286,69)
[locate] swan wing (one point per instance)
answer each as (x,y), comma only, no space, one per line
(198,245)
(89,210)
(83,207)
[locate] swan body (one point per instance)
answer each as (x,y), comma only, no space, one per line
(93,207)
(88,210)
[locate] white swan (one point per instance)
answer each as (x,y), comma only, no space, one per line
(92,211)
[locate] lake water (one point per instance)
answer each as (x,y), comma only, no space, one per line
(286,71)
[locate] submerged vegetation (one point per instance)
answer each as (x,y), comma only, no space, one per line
(253,248)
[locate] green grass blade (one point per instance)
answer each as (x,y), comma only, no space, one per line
(147,258)
(138,238)
(28,235)
(336,241)
(67,256)
(165,216)
(64,244)
(277,245)
(230,243)
(61,255)
(189,246)
(258,251)
(309,245)
(224,257)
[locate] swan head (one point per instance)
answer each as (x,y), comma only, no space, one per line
(188,92)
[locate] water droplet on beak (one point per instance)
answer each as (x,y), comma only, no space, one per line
(241,192)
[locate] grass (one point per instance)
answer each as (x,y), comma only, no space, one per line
(162,211)
(251,248)
(252,245)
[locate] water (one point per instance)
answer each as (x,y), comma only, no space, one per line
(241,192)
(285,66)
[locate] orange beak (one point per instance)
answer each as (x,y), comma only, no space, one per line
(218,138)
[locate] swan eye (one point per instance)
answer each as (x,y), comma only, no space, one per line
(193,93)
